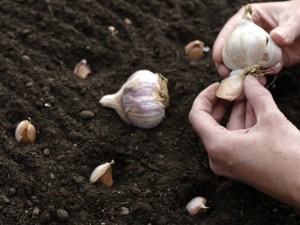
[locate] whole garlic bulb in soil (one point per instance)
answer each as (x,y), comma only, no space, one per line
(142,99)
(249,46)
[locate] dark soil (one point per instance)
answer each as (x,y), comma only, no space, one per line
(157,171)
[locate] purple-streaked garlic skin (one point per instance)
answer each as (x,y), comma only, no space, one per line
(142,107)
(142,100)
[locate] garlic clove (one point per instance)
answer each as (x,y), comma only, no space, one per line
(82,70)
(195,50)
(250,45)
(103,174)
(113,31)
(142,99)
(231,87)
(25,132)
(196,206)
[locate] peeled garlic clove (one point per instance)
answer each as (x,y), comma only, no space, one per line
(103,174)
(196,205)
(194,50)
(142,99)
(232,87)
(250,45)
(25,132)
(82,70)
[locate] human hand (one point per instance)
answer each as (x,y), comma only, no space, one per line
(259,146)
(280,19)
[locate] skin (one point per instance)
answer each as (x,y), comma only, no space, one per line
(259,146)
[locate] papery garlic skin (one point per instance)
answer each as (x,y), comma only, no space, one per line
(249,45)
(142,99)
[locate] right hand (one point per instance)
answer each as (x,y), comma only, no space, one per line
(259,146)
(280,19)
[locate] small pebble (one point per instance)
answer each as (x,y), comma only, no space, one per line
(161,220)
(12,191)
(75,136)
(78,179)
(62,215)
(86,114)
(46,152)
(127,21)
(26,31)
(124,211)
(45,218)
(36,211)
(5,199)
(29,84)
(160,156)
(26,58)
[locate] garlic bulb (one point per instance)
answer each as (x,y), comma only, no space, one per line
(249,45)
(250,48)
(142,99)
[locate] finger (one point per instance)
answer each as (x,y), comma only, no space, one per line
(262,80)
(286,33)
(200,116)
(276,69)
(250,118)
(220,109)
(263,14)
(258,96)
(237,116)
(222,69)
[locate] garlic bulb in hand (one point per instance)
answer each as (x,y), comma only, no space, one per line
(142,99)
(249,46)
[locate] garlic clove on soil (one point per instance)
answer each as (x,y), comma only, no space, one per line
(196,205)
(232,87)
(82,70)
(249,45)
(142,99)
(194,50)
(103,174)
(25,132)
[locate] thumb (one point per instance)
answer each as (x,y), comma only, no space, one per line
(286,33)
(258,96)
